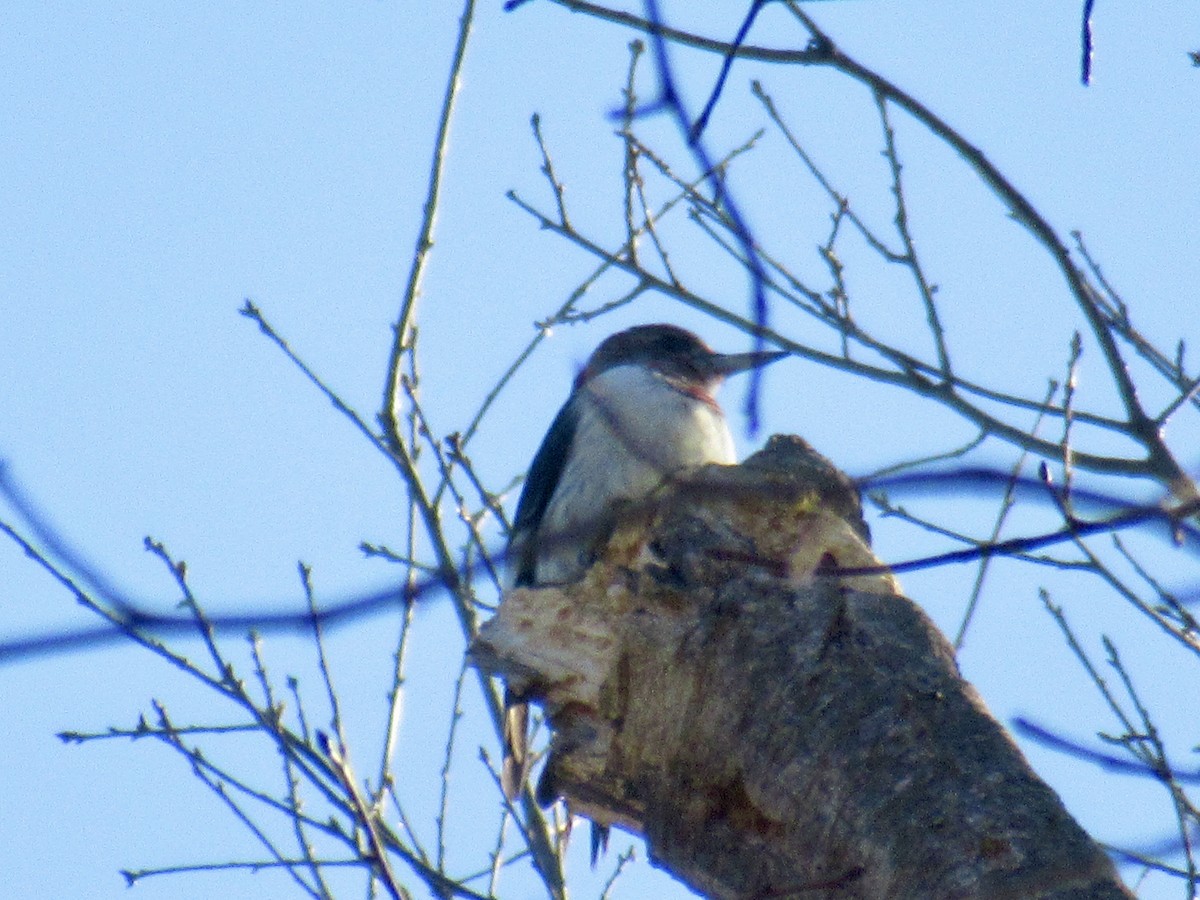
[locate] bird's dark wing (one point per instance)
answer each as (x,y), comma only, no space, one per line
(543,478)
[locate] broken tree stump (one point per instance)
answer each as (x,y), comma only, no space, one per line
(771,724)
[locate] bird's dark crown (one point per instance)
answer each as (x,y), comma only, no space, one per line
(668,349)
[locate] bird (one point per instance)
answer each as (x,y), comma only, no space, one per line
(641,411)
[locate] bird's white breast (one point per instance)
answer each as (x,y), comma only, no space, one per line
(633,430)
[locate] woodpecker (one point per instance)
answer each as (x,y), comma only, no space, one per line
(642,410)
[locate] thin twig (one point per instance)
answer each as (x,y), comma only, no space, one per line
(911,260)
(556,186)
(401,330)
(1007,501)
(443,812)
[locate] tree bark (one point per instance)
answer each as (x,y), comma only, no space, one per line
(772,724)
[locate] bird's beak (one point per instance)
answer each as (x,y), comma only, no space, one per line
(722,364)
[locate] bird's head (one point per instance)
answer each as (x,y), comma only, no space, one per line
(674,352)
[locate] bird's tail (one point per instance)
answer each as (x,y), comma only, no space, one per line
(514,767)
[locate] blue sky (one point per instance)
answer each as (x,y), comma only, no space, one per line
(162,164)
